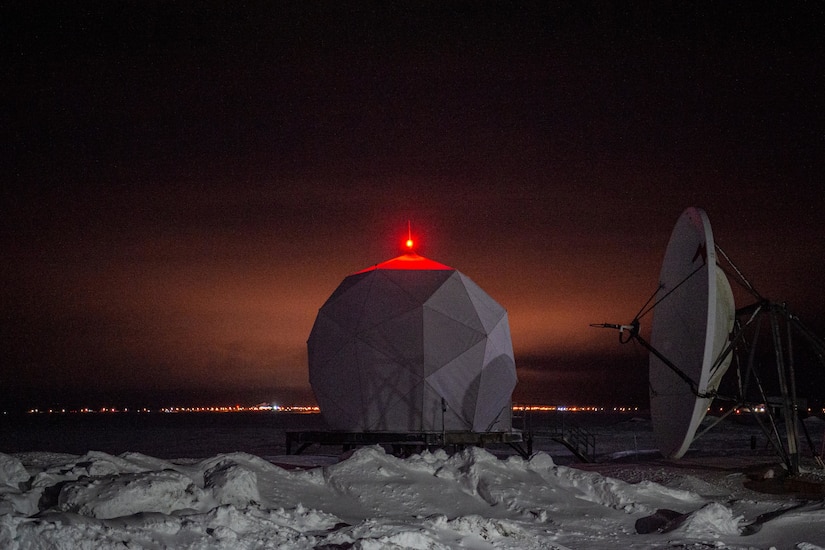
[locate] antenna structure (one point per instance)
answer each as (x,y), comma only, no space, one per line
(675,372)
(409,243)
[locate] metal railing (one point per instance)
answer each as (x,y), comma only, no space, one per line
(578,440)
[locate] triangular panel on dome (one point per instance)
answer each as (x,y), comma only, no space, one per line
(436,415)
(458,381)
(345,285)
(403,412)
(401,338)
(489,311)
(497,375)
(445,339)
(346,306)
(388,387)
(385,301)
(452,300)
(333,337)
(338,384)
(419,284)
(499,341)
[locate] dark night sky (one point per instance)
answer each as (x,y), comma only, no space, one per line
(184,184)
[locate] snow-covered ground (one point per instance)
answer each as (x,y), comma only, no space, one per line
(370,499)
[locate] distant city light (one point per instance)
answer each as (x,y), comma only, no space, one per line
(571,408)
(314,409)
(300,409)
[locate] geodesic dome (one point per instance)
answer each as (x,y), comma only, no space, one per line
(412,345)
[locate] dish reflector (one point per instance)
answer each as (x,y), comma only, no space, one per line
(691,327)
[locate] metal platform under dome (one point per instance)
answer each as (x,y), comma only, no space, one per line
(407,442)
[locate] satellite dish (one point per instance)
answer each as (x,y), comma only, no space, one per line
(693,341)
(692,323)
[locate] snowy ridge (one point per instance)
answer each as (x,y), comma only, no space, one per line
(369,500)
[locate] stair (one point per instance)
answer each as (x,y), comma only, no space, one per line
(578,440)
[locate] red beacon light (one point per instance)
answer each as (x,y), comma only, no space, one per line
(409,260)
(409,243)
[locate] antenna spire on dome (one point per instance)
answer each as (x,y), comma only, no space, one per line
(409,244)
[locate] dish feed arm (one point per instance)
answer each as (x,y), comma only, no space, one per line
(632,331)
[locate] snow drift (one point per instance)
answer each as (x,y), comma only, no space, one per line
(370,500)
